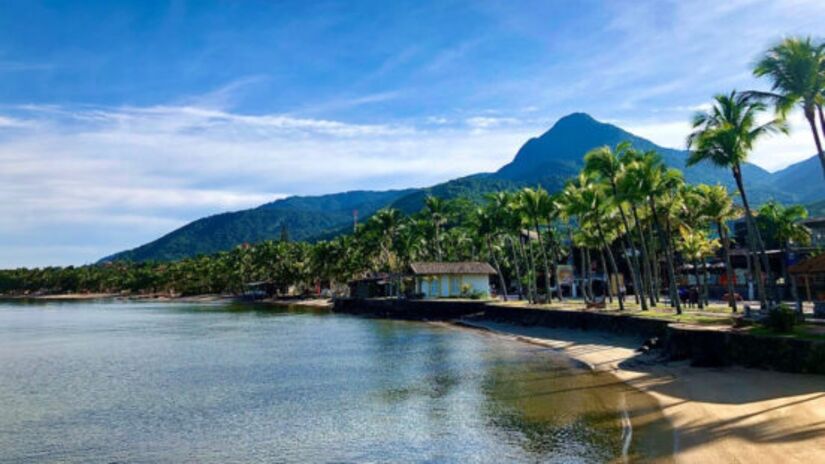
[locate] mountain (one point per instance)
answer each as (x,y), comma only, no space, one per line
(557,154)
(303,218)
(804,177)
(548,160)
(816,209)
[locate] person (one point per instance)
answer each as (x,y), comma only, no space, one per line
(694,297)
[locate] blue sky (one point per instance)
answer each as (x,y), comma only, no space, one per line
(120,121)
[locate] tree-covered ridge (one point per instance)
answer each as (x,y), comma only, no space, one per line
(548,161)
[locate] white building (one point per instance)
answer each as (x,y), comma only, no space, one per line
(443,280)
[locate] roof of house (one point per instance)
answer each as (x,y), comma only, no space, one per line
(815,265)
(464,267)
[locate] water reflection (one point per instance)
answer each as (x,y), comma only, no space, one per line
(216,383)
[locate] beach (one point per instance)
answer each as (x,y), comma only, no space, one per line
(718,414)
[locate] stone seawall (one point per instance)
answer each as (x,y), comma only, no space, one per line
(431,310)
(701,346)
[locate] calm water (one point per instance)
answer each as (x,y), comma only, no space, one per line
(166,382)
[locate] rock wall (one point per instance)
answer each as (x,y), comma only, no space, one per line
(701,346)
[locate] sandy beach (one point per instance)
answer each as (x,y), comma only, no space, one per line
(717,414)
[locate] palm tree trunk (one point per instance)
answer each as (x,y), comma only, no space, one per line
(612,262)
(635,273)
(754,237)
(728,267)
(698,283)
(438,242)
(706,282)
(546,261)
(607,291)
(517,266)
(498,267)
(556,260)
(647,280)
(654,264)
(819,151)
(590,275)
(671,270)
(582,274)
(531,274)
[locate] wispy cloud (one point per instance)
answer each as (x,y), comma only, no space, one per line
(138,172)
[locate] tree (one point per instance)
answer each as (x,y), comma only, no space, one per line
(724,136)
(717,206)
(655,184)
(695,247)
(487,226)
(796,68)
(586,200)
(536,206)
(604,164)
(787,229)
(435,210)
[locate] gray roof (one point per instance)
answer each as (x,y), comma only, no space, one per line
(464,267)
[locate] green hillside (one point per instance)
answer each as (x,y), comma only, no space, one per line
(548,160)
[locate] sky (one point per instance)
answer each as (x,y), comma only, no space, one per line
(121,121)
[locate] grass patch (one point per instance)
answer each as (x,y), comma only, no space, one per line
(802,332)
(714,315)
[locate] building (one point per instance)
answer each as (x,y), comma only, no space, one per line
(817,227)
(444,280)
(372,285)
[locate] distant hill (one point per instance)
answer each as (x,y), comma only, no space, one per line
(803,178)
(816,209)
(548,160)
(302,217)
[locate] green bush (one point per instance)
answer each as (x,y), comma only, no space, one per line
(781,319)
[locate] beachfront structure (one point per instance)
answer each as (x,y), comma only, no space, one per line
(444,280)
(817,227)
(810,278)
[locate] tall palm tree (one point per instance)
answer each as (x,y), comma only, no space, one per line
(436,211)
(785,222)
(604,164)
(634,189)
(695,247)
(724,136)
(796,68)
(535,205)
(487,226)
(586,200)
(718,207)
(503,206)
(655,184)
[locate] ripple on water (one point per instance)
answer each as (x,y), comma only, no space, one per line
(124,382)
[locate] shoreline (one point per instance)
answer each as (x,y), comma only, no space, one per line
(729,414)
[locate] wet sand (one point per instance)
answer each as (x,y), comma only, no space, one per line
(716,414)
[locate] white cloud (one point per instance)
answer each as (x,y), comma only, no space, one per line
(127,175)
(772,153)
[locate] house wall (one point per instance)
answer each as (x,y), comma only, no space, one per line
(450,285)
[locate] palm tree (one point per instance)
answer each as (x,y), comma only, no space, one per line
(724,136)
(535,205)
(487,226)
(635,190)
(717,206)
(797,70)
(785,221)
(586,200)
(502,206)
(655,184)
(604,164)
(436,211)
(695,247)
